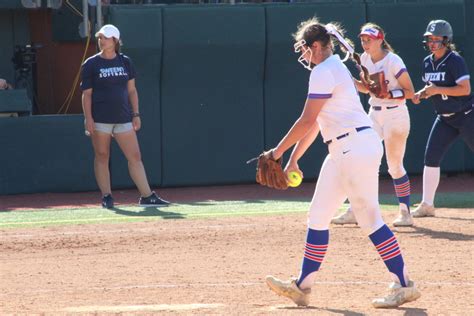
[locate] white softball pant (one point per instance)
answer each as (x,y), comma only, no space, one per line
(350,170)
(393,126)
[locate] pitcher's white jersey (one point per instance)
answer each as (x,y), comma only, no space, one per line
(351,168)
(343,111)
(393,67)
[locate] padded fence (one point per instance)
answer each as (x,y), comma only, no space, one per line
(45,154)
(212,93)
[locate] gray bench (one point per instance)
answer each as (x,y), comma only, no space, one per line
(14,103)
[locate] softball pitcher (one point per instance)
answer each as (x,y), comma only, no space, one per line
(447,85)
(350,169)
(389,115)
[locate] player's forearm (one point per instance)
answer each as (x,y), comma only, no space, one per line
(296,133)
(408,93)
(303,145)
(406,85)
(456,91)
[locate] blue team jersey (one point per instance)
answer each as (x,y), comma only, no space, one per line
(447,72)
(108,79)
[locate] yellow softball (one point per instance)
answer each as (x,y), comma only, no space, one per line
(294,179)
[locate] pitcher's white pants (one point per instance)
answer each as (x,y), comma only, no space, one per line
(351,170)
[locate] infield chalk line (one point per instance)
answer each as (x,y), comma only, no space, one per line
(141,308)
(212,285)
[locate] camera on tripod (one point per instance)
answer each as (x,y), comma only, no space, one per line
(24,57)
(24,62)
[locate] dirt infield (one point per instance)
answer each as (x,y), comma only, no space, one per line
(217,266)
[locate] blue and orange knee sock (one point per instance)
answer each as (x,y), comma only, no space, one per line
(387,246)
(403,190)
(316,246)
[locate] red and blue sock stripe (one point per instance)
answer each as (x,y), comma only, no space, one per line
(387,246)
(315,249)
(403,190)
(315,252)
(388,249)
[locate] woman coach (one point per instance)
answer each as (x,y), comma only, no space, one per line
(110,105)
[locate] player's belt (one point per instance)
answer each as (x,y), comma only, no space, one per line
(358,129)
(380,108)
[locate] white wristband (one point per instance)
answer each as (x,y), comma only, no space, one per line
(397,94)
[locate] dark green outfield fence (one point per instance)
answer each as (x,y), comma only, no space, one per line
(217,85)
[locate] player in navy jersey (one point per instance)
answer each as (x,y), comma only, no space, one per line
(110,104)
(446,77)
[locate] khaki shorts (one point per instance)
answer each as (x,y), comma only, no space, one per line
(113,128)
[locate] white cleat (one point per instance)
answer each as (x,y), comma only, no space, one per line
(424,210)
(347,217)
(398,295)
(289,289)
(403,219)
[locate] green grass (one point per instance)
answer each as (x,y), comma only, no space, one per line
(205,209)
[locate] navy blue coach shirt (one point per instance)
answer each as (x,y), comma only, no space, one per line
(108,79)
(447,72)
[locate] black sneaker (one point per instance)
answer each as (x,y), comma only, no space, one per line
(153,200)
(107,201)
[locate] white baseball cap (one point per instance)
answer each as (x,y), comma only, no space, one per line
(109,31)
(372,33)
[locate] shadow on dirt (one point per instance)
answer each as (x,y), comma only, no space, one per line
(413,311)
(313,308)
(344,312)
(436,234)
(462,219)
(407,311)
(149,211)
